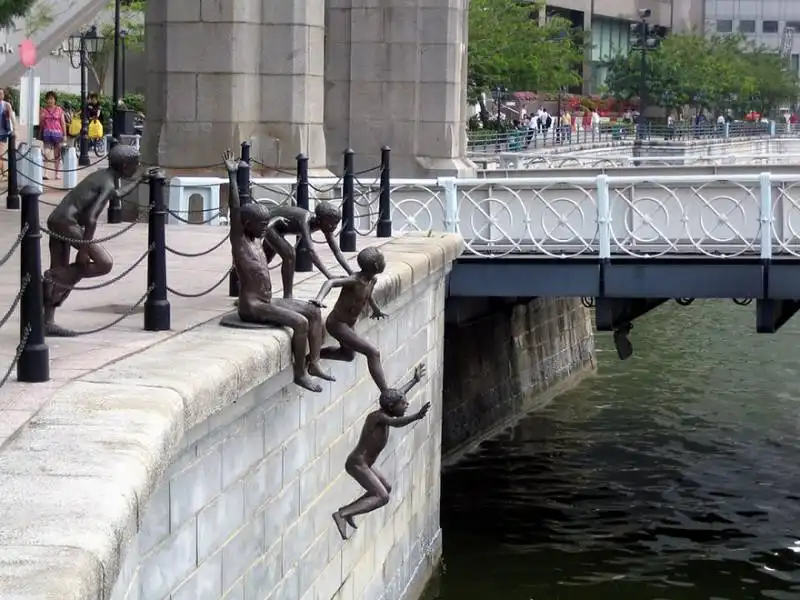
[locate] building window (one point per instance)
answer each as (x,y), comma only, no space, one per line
(747,26)
(794,25)
(724,26)
(769,27)
(795,63)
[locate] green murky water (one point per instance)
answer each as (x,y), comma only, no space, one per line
(672,476)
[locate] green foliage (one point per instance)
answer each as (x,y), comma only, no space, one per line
(14,9)
(508,47)
(718,72)
(132,101)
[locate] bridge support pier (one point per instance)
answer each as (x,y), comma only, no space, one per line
(771,315)
(618,314)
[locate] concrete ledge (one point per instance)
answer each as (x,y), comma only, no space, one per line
(74,481)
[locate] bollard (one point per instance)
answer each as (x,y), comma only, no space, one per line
(384,228)
(243,185)
(12,200)
(114,210)
(156,307)
(33,365)
(303,262)
(35,172)
(347,236)
(69,164)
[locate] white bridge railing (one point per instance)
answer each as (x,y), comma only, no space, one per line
(605,216)
(529,160)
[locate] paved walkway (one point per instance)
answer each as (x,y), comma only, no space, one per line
(85,310)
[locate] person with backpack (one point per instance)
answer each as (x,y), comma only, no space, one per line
(53,127)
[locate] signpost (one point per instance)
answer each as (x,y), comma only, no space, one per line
(27,56)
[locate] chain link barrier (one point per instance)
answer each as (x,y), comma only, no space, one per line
(204,292)
(20,348)
(132,309)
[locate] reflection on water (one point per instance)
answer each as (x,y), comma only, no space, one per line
(673,475)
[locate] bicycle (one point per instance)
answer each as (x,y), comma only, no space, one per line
(96,143)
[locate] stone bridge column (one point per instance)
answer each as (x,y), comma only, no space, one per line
(224,71)
(396,74)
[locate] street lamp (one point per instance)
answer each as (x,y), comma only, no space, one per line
(642,41)
(123,36)
(117,82)
(561,91)
(82,46)
(499,92)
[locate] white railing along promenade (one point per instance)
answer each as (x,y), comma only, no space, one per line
(537,160)
(604,215)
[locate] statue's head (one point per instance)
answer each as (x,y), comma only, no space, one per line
(254,217)
(393,402)
(124,160)
(371,261)
(328,216)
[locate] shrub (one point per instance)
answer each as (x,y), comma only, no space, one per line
(132,101)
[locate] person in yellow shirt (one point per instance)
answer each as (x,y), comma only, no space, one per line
(566,126)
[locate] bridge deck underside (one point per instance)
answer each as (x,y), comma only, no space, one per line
(624,287)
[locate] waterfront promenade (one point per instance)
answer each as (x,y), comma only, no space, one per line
(89,310)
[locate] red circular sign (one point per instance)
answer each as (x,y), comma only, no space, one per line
(27,53)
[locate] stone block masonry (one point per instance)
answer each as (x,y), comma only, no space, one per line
(195,470)
(508,362)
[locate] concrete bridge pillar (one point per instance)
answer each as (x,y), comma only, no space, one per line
(224,71)
(395,74)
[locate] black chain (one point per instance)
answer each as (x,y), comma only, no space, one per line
(83,168)
(271,168)
(92,242)
(203,293)
(188,222)
(198,254)
(16,244)
(20,348)
(127,314)
(25,281)
(325,190)
(45,186)
(87,288)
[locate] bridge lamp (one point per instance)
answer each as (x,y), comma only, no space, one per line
(643,40)
(82,46)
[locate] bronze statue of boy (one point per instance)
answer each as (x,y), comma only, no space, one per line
(73,224)
(249,224)
(302,223)
(355,295)
(360,464)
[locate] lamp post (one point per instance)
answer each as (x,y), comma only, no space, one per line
(123,36)
(643,42)
(499,92)
(81,46)
(117,74)
(558,131)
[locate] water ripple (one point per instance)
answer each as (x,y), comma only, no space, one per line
(672,476)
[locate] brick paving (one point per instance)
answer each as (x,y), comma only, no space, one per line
(84,310)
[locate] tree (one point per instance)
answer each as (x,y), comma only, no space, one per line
(132,21)
(715,73)
(14,9)
(508,47)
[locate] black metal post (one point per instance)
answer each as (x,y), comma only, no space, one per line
(156,307)
(557,120)
(384,228)
(33,365)
(123,76)
(114,210)
(83,157)
(243,185)
(347,235)
(12,200)
(303,262)
(115,132)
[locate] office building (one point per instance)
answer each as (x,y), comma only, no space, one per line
(762,21)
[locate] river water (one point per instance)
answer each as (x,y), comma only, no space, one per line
(674,475)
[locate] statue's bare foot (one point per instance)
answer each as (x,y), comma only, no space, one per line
(341,524)
(53,330)
(315,370)
(304,381)
(351,522)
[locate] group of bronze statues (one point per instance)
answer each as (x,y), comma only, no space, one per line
(257,235)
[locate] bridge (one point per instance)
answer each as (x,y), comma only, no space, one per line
(627,243)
